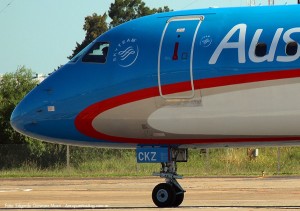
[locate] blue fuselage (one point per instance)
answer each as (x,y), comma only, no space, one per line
(165,61)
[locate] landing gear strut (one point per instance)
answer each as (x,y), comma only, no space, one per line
(170,193)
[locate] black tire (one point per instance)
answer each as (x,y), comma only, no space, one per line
(163,195)
(178,199)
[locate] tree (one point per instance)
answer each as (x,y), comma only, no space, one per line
(120,12)
(124,10)
(13,87)
(94,26)
(162,9)
(14,146)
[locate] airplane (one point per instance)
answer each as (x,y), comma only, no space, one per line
(168,82)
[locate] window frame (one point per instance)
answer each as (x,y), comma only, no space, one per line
(77,57)
(92,58)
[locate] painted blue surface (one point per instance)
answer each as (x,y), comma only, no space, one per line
(152,155)
(78,85)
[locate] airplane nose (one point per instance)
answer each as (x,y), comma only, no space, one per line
(21,116)
(28,113)
(37,116)
(47,113)
(16,114)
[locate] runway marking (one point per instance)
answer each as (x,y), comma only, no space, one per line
(54,206)
(6,190)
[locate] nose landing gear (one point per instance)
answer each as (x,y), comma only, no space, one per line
(169,194)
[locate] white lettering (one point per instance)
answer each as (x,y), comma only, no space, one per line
(153,156)
(269,57)
(240,45)
(140,156)
(287,39)
(225,44)
(147,156)
(274,44)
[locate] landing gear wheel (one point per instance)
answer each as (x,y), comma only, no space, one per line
(170,194)
(178,200)
(163,195)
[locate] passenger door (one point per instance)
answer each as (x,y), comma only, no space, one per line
(175,59)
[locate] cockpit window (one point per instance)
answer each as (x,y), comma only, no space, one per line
(82,52)
(97,53)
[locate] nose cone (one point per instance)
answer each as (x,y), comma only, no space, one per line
(22,116)
(47,113)
(38,116)
(16,114)
(29,116)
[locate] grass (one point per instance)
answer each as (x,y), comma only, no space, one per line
(218,162)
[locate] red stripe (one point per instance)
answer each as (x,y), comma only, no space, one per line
(83,121)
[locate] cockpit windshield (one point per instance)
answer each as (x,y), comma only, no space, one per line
(97,53)
(82,52)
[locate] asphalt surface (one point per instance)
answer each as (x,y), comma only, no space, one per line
(237,193)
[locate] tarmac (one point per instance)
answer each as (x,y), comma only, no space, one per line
(209,193)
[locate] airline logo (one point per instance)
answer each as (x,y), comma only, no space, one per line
(126,52)
(206,41)
(240,45)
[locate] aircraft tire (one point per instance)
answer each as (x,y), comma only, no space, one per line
(164,195)
(179,199)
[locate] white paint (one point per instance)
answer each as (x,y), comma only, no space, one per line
(126,53)
(51,108)
(7,190)
(180,30)
(266,110)
(262,108)
(225,44)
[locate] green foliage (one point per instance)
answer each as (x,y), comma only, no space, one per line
(15,148)
(93,162)
(94,26)
(235,161)
(120,11)
(13,87)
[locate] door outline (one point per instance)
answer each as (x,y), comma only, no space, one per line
(180,18)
